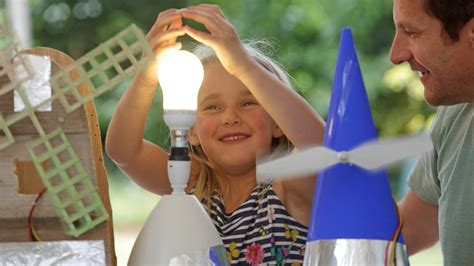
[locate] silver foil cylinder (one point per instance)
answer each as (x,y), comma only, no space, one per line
(353,252)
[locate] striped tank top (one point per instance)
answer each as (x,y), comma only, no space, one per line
(260,231)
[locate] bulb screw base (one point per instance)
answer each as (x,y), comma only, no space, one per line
(179,164)
(179,154)
(179,138)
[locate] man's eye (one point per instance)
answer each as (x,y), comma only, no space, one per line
(409,32)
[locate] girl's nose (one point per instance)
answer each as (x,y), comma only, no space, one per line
(231,118)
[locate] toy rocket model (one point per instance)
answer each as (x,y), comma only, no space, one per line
(354,220)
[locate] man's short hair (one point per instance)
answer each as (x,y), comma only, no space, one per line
(453,14)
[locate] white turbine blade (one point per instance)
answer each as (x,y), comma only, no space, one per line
(376,154)
(299,164)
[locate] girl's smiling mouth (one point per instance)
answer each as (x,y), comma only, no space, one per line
(234,137)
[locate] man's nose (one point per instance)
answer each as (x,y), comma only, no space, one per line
(400,51)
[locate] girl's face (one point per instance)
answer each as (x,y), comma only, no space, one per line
(231,127)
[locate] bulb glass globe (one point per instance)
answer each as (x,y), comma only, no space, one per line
(180,74)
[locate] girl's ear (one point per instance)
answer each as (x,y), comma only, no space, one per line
(277,132)
(192,137)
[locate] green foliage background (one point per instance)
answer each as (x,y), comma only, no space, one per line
(305,37)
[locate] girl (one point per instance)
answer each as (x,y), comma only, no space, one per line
(246,110)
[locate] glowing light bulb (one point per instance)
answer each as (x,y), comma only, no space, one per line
(180,74)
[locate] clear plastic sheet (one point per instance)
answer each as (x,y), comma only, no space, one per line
(215,256)
(53,253)
(352,252)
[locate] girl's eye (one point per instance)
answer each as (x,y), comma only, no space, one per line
(212,107)
(249,103)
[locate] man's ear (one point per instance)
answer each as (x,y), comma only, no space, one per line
(192,137)
(277,132)
(470,28)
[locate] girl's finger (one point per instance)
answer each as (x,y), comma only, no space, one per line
(176,23)
(163,49)
(209,21)
(167,37)
(224,26)
(166,12)
(162,23)
(199,36)
(157,29)
(212,8)
(163,15)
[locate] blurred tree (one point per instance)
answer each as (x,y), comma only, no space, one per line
(305,35)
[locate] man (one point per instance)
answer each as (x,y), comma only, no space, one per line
(436,37)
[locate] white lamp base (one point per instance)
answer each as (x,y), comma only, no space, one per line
(178,232)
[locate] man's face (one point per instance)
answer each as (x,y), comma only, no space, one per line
(446,67)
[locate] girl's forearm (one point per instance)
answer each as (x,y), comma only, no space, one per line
(126,129)
(284,105)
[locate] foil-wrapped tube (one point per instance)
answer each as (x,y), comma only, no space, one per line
(354,252)
(82,252)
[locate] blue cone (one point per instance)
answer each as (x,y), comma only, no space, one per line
(350,204)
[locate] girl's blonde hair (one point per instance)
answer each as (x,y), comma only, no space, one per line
(206,181)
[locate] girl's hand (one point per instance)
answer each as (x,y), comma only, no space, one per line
(161,38)
(222,37)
